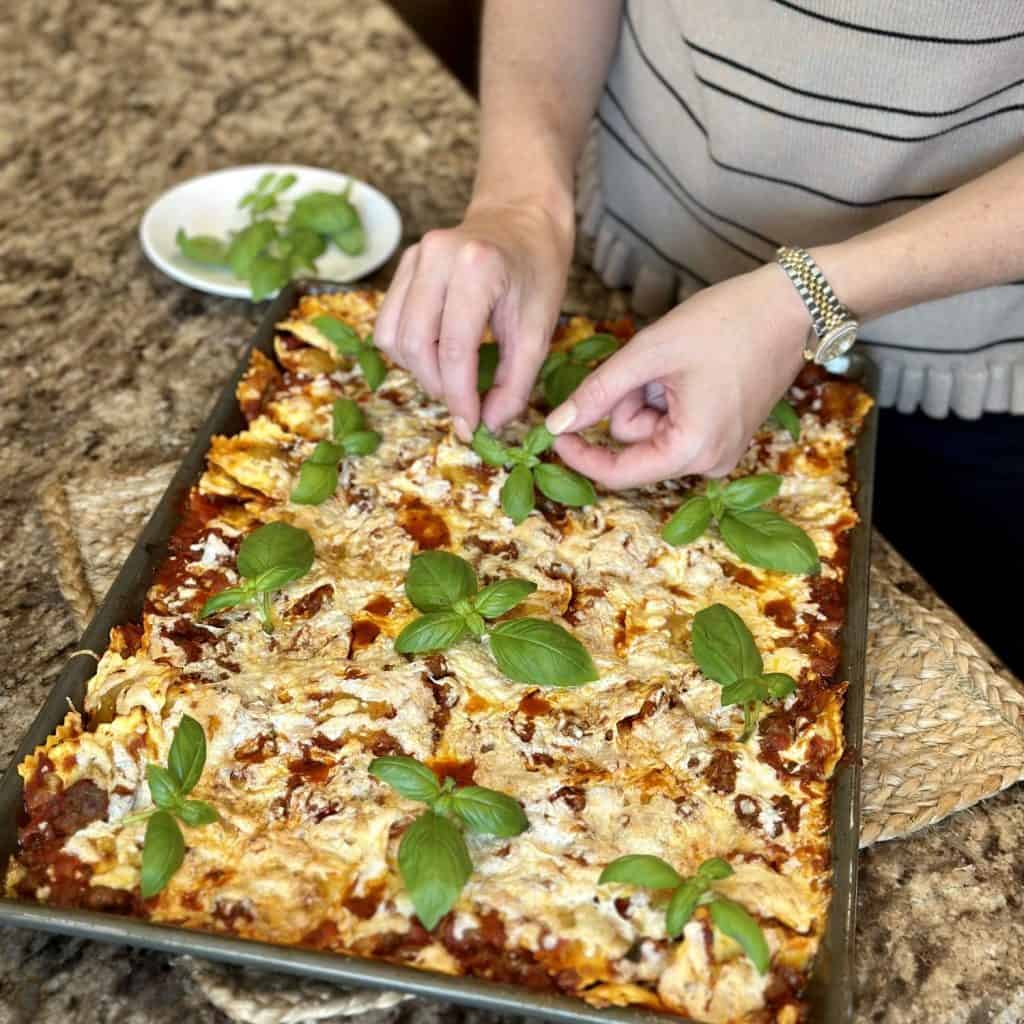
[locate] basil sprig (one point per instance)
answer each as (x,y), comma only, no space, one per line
(650,872)
(268,253)
(163,848)
(563,372)
(318,475)
(786,417)
(347,341)
(517,493)
(758,536)
(433,858)
(444,587)
(332,215)
(725,651)
(263,198)
(202,249)
(269,558)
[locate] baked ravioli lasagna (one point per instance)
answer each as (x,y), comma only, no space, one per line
(643,760)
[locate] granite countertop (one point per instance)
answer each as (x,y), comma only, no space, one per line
(106,361)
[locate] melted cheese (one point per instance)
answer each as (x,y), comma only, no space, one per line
(305,847)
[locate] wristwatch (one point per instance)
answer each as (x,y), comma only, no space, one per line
(833,327)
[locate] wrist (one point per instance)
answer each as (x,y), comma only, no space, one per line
(550,201)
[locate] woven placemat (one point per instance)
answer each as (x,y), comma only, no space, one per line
(944,720)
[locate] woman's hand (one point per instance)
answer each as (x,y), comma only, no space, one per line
(504,264)
(686,394)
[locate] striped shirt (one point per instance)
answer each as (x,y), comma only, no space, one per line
(729,128)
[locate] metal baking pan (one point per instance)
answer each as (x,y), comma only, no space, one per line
(831,988)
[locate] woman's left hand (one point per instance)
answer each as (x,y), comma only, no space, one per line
(686,394)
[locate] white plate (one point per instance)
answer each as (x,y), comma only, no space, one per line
(209,206)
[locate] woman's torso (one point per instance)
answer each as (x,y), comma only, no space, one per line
(727,129)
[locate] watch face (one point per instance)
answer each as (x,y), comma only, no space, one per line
(837,342)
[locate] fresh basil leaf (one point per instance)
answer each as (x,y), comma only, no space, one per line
(264,608)
(597,346)
(206,249)
(517,497)
(714,869)
(538,440)
(682,905)
(317,482)
(488,447)
(500,597)
(273,546)
(327,453)
(561,383)
(564,486)
(714,491)
(267,275)
(475,624)
(163,787)
(284,182)
(343,337)
(227,598)
(326,213)
(346,417)
(553,361)
(743,691)
(688,521)
(163,850)
(196,813)
(247,245)
(723,646)
(407,777)
(778,684)
(437,579)
(487,363)
(303,248)
(373,367)
(433,631)
(643,869)
(732,920)
(540,652)
(786,417)
(751,491)
(362,442)
(274,579)
(767,540)
(434,864)
(488,812)
(261,186)
(187,755)
(351,241)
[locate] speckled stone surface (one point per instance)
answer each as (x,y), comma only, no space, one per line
(103,360)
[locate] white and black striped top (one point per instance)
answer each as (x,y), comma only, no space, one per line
(729,127)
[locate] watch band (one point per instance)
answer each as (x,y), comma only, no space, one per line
(833,326)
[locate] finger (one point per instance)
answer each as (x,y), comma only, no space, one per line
(477,280)
(520,356)
(420,323)
(632,419)
(633,366)
(385,330)
(643,463)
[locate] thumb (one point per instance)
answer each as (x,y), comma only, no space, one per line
(629,369)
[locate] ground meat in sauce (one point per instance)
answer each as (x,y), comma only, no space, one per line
(574,797)
(720,772)
(309,604)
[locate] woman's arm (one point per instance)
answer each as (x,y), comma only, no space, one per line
(686,394)
(542,67)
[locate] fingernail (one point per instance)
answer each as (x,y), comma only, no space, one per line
(462,430)
(562,418)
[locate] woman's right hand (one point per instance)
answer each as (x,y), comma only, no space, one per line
(505,264)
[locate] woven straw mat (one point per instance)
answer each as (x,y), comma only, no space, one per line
(943,729)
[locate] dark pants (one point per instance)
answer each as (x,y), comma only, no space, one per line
(950,497)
